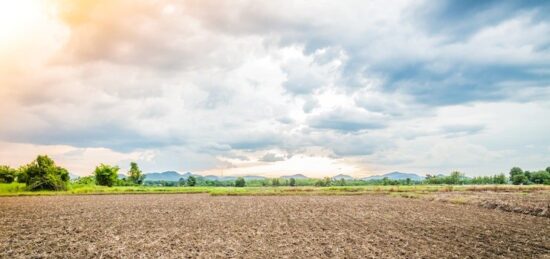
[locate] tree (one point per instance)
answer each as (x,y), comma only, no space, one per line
(517,176)
(191,181)
(540,177)
(275,182)
(515,171)
(548,169)
(456,178)
(240,182)
(135,175)
(43,174)
(292,182)
(499,179)
(324,182)
(7,174)
(106,175)
(518,179)
(21,174)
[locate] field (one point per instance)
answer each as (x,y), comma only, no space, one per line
(422,224)
(17,189)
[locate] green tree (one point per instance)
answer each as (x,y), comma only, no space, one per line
(540,177)
(43,174)
(21,175)
(548,169)
(7,174)
(240,182)
(106,175)
(191,181)
(275,182)
(292,182)
(326,181)
(456,178)
(517,176)
(499,179)
(135,175)
(518,179)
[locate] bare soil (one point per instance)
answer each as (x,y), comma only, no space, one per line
(174,225)
(535,203)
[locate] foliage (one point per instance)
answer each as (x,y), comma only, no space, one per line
(106,175)
(240,182)
(275,182)
(85,180)
(191,181)
(135,175)
(540,177)
(43,174)
(7,174)
(292,182)
(324,182)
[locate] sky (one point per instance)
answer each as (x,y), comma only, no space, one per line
(276,87)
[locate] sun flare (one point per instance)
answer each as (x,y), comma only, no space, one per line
(17,16)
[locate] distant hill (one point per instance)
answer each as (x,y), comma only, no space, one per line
(167,176)
(175,176)
(295,176)
(342,176)
(395,176)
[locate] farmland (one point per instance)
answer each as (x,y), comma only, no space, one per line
(375,223)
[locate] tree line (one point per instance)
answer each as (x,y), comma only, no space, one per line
(43,174)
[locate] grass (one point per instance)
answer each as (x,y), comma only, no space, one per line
(410,191)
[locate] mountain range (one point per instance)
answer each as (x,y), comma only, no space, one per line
(395,176)
(175,176)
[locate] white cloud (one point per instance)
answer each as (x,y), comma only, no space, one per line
(356,86)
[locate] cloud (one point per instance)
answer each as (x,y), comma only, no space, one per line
(201,85)
(271,157)
(347,120)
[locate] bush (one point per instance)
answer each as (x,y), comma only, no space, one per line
(106,175)
(43,174)
(240,182)
(85,180)
(7,174)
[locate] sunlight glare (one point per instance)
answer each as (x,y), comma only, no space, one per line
(17,16)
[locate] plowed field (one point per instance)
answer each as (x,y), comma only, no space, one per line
(186,225)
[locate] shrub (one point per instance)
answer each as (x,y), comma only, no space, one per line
(240,182)
(43,174)
(106,175)
(85,180)
(7,174)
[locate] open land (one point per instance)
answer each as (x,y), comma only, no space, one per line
(432,225)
